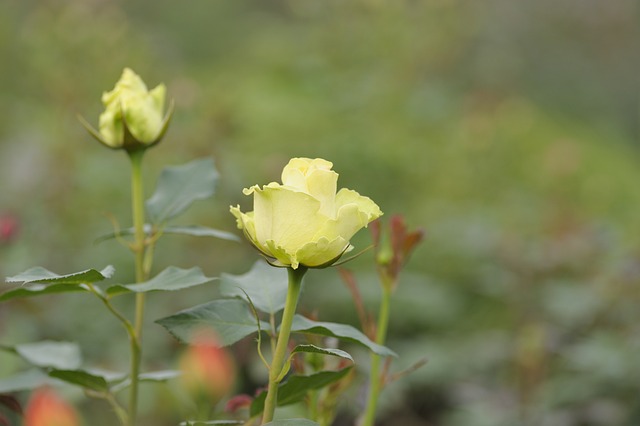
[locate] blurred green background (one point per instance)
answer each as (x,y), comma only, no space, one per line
(508,130)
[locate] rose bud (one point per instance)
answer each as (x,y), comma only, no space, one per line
(133,116)
(46,408)
(208,371)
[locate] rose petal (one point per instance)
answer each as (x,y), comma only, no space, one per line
(289,217)
(158,95)
(365,204)
(322,251)
(246,223)
(280,253)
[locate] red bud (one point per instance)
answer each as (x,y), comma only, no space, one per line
(207,369)
(46,408)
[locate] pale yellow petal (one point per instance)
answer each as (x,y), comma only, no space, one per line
(296,171)
(314,177)
(281,254)
(246,222)
(320,164)
(348,221)
(320,252)
(288,217)
(365,204)
(293,174)
(131,81)
(354,213)
(239,215)
(110,127)
(322,185)
(158,95)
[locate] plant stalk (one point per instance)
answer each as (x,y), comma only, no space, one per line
(279,356)
(137,202)
(375,380)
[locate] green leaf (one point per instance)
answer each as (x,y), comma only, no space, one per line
(308,348)
(109,375)
(170,279)
(153,376)
(265,285)
(210,422)
(325,351)
(26,380)
(179,186)
(159,376)
(50,354)
(81,378)
(42,289)
(201,231)
(292,422)
(193,230)
(340,331)
(230,318)
(41,275)
(296,388)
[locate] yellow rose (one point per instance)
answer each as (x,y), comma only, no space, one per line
(133,116)
(304,221)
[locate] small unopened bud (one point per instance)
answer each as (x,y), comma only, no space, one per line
(46,408)
(393,245)
(208,371)
(133,118)
(8,228)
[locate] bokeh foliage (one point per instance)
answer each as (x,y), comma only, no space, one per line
(506,129)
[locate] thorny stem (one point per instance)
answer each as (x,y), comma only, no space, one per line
(293,292)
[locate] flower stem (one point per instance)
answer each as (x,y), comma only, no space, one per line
(137,202)
(375,381)
(293,292)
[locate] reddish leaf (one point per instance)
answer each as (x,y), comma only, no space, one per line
(238,402)
(11,403)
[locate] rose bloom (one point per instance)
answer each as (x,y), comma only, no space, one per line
(304,221)
(46,408)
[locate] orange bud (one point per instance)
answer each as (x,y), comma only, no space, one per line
(46,408)
(208,371)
